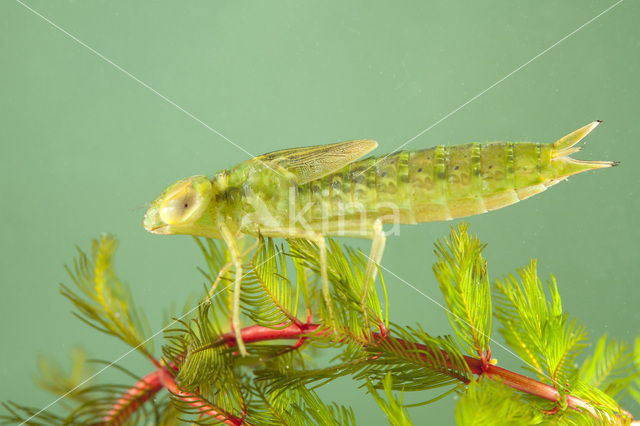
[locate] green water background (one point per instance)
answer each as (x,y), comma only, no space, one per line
(84,146)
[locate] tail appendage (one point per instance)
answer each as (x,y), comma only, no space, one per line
(565,166)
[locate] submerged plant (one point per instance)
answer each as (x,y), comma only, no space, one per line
(208,382)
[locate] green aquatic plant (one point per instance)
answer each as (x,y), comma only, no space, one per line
(201,377)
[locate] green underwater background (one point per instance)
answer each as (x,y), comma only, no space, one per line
(87,143)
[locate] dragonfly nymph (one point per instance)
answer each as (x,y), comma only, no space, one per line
(326,190)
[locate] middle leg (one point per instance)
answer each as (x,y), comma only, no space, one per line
(375,255)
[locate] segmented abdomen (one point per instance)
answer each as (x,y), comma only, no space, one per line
(433,184)
(458,181)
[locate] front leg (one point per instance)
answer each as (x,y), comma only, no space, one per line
(225,268)
(236,258)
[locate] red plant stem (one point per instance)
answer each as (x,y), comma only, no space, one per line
(147,387)
(137,395)
(529,385)
(163,377)
(170,384)
(258,333)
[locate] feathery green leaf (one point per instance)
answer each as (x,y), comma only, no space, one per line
(392,406)
(104,302)
(610,368)
(462,274)
(488,402)
(544,336)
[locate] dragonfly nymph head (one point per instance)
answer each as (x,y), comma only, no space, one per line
(180,207)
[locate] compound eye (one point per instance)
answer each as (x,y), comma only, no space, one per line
(180,204)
